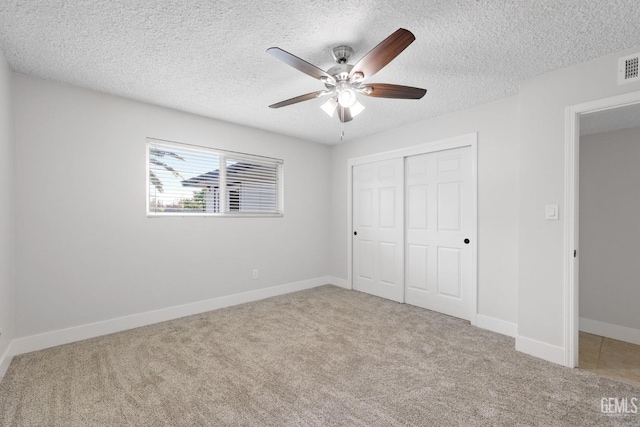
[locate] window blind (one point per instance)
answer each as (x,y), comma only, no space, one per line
(190,180)
(252,185)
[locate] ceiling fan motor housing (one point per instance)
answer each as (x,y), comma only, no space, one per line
(340,72)
(342,54)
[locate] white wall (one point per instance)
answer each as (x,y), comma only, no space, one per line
(6,211)
(609,229)
(86,251)
(543,101)
(497,127)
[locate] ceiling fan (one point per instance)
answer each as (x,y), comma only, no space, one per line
(344,81)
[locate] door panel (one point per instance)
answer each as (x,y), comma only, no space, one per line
(449,206)
(449,272)
(387,251)
(417,262)
(378,220)
(366,207)
(439,219)
(366,259)
(417,206)
(387,207)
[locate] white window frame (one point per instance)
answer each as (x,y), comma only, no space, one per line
(223,154)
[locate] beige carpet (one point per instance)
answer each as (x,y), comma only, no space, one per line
(325,356)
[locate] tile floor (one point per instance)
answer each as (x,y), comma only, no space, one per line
(610,358)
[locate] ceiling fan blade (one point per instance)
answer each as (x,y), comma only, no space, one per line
(344,114)
(299,64)
(384,90)
(305,97)
(384,53)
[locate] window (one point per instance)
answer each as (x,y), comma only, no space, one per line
(188,180)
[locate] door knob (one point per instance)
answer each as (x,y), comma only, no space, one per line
(466,241)
(355,233)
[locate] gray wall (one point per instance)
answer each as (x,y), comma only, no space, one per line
(6,209)
(610,227)
(85,250)
(497,127)
(543,101)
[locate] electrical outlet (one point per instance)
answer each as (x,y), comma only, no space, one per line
(256,274)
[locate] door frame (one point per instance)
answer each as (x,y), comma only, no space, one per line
(571,202)
(467,140)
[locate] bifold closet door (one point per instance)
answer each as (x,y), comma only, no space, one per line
(439,228)
(378,228)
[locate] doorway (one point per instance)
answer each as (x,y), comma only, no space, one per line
(603,344)
(609,208)
(413,221)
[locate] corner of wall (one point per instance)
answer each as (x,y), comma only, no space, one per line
(339,282)
(497,325)
(5,361)
(542,350)
(7,216)
(82,332)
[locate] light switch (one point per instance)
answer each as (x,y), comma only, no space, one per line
(551,212)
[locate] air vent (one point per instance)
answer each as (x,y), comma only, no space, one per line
(628,69)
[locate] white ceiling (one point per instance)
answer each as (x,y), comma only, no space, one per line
(208,57)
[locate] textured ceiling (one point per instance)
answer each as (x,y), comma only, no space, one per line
(208,57)
(609,120)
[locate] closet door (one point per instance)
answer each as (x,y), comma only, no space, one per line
(439,228)
(378,229)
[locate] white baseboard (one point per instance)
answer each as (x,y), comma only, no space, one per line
(92,330)
(342,283)
(497,325)
(540,349)
(609,330)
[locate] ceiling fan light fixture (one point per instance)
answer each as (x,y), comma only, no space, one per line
(356,108)
(330,106)
(343,81)
(347,97)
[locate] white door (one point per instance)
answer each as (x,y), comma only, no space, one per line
(378,229)
(439,221)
